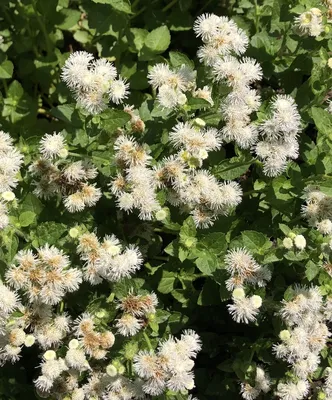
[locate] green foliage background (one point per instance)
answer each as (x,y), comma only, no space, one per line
(182,265)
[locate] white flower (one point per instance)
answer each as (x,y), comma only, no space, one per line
(128,325)
(287,243)
(300,242)
(244,310)
(118,91)
(51,145)
(325,226)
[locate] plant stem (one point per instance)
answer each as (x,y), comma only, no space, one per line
(169,5)
(256,17)
(43,29)
(147,340)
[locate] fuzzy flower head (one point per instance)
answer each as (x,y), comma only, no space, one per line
(45,277)
(93,82)
(52,145)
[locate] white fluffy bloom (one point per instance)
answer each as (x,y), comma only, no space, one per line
(93,82)
(292,391)
(118,91)
(310,22)
(51,145)
(300,242)
(245,309)
(128,325)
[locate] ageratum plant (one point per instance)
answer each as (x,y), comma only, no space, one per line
(165,200)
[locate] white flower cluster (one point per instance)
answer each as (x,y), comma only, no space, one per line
(279,136)
(62,374)
(24,326)
(44,277)
(305,316)
(136,311)
(172,85)
(93,82)
(244,270)
(221,37)
(194,143)
(262,384)
(10,163)
(318,209)
(135,185)
(310,22)
(9,344)
(107,260)
(327,388)
(196,190)
(56,175)
(171,366)
(292,240)
(224,41)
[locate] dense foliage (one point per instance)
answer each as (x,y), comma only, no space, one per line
(166,199)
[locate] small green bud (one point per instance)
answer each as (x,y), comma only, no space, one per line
(284,335)
(111,370)
(238,293)
(199,122)
(74,232)
(63,153)
(161,215)
(101,313)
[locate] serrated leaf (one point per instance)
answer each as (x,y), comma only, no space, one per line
(6,70)
(256,242)
(166,283)
(177,59)
(120,5)
(113,119)
(27,218)
(311,270)
(158,40)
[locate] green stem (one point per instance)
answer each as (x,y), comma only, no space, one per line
(75,154)
(204,7)
(169,5)
(62,306)
(135,4)
(43,29)
(5,86)
(147,340)
(256,17)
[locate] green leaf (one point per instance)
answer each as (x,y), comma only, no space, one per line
(311,270)
(49,232)
(32,203)
(177,59)
(196,103)
(137,37)
(27,218)
(323,121)
(68,19)
(215,242)
(256,241)
(67,113)
(120,5)
(158,40)
(207,263)
(166,283)
(113,119)
(6,70)
(232,168)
